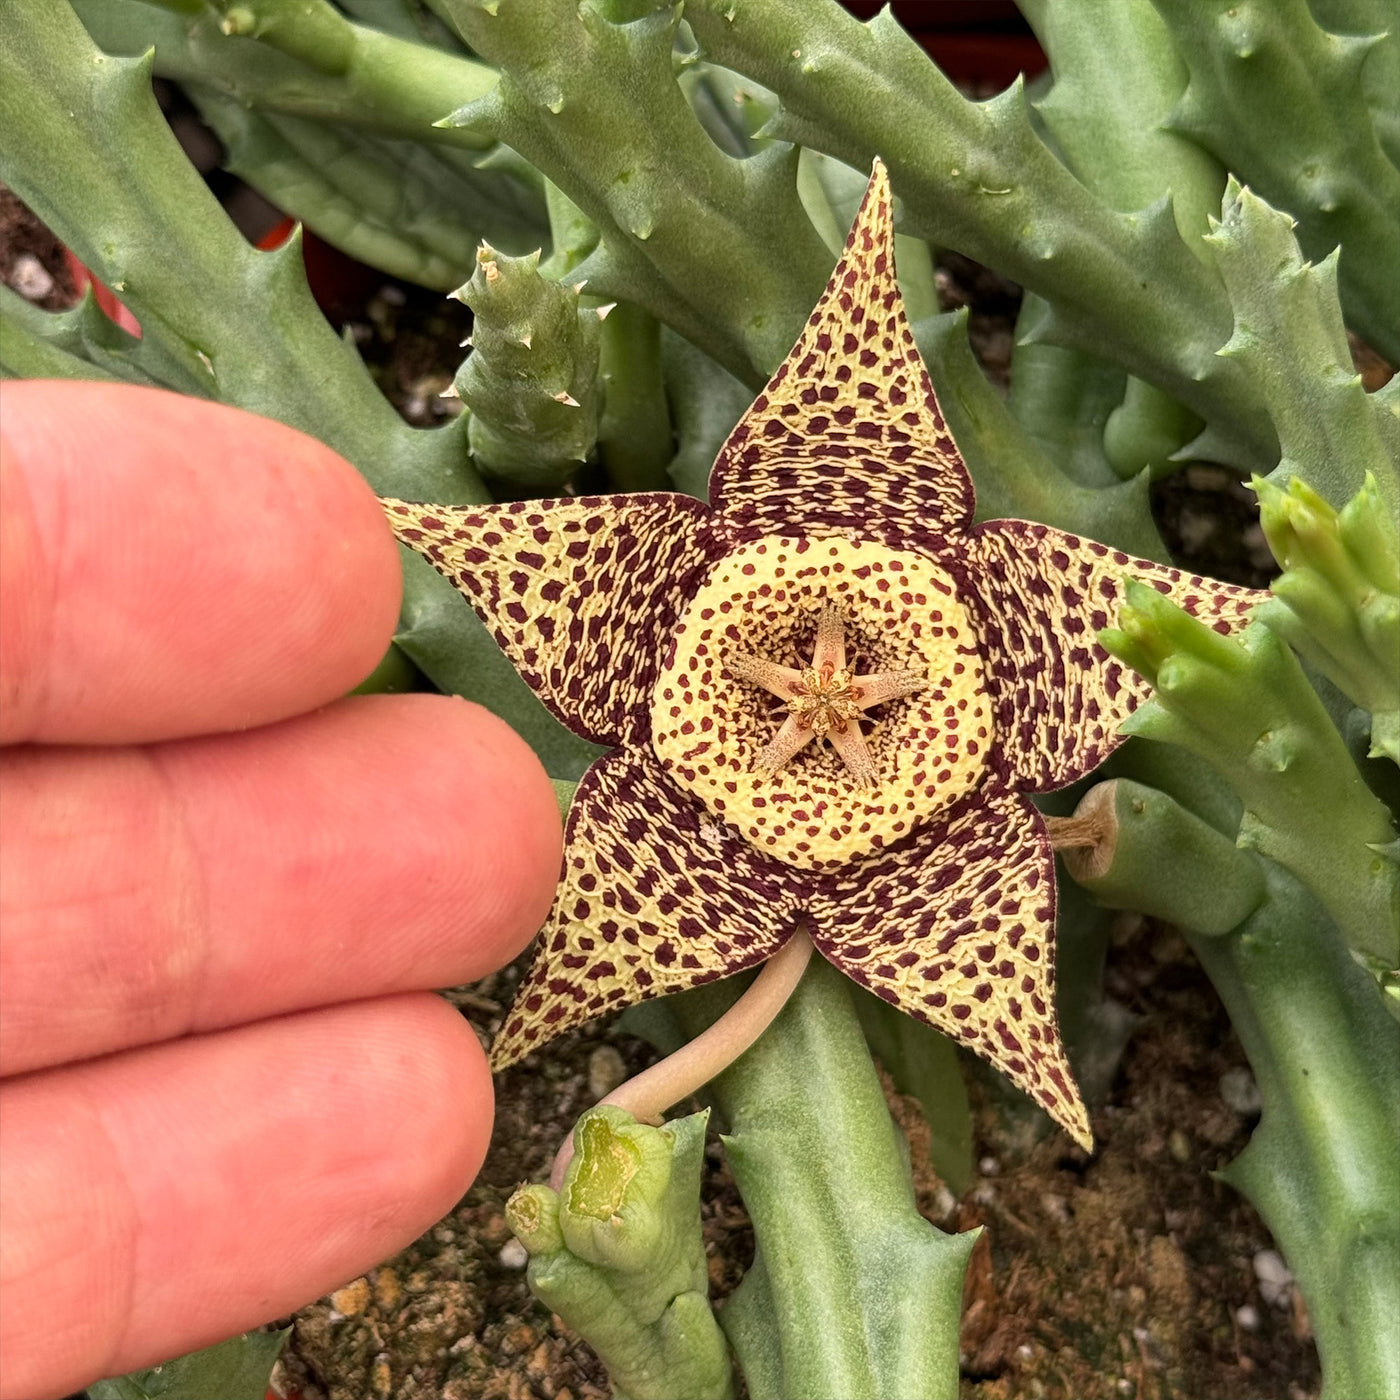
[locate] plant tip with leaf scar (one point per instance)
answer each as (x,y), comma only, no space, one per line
(830,696)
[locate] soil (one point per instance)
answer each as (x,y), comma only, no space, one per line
(1129,1274)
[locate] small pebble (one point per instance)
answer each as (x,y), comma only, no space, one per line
(1056,1207)
(605,1071)
(353,1299)
(382,1377)
(1240,1092)
(392,295)
(539,1365)
(1248,1318)
(989,1166)
(1200,477)
(1275,1279)
(30,278)
(387,1289)
(1195,528)
(513,1255)
(1179,1145)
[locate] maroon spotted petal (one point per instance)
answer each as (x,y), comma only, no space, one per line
(1041,597)
(655,897)
(848,426)
(957,929)
(580,594)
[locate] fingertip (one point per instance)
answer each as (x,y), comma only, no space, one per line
(294,1154)
(487,815)
(451,1108)
(532,843)
(197,567)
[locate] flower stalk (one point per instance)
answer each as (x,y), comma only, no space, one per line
(687,1070)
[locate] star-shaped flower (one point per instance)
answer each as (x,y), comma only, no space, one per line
(933,673)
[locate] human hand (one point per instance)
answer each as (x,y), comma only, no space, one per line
(226,1089)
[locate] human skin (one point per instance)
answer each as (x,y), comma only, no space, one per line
(225,891)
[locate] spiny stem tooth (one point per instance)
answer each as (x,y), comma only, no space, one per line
(792,736)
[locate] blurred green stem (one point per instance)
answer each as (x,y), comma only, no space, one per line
(634,432)
(302,57)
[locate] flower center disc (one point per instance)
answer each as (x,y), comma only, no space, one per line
(902,612)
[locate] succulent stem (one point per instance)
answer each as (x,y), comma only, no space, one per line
(1322,1164)
(1133,847)
(617,1253)
(1248,709)
(531,379)
(975,176)
(308,60)
(87,148)
(634,431)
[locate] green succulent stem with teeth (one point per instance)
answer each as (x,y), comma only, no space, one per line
(616,1252)
(1337,601)
(1247,707)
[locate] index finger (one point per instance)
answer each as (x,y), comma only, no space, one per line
(172,567)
